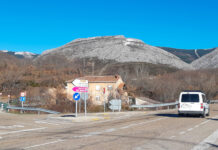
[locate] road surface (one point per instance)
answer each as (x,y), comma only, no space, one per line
(158,130)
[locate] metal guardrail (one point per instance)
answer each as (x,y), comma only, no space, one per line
(154,105)
(213,101)
(33,109)
(4,106)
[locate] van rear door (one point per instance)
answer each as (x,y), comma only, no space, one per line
(190,102)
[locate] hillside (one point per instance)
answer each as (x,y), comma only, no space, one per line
(188,55)
(207,61)
(117,49)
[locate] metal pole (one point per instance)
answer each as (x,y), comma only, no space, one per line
(85,104)
(76,109)
(22,104)
(79,100)
(104,104)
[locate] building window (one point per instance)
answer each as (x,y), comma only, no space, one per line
(98,87)
(97,98)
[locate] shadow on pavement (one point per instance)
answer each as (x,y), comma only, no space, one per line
(214,119)
(177,116)
(213,145)
(68,116)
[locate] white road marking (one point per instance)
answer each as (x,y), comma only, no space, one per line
(204,122)
(142,123)
(11,127)
(182,132)
(196,126)
(110,130)
(94,133)
(43,122)
(60,140)
(190,129)
(0,137)
(205,143)
(172,137)
(27,130)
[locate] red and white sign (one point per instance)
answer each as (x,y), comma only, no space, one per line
(80,89)
(23,94)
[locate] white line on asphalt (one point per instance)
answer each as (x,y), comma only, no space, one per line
(110,130)
(11,127)
(95,133)
(182,132)
(0,137)
(205,144)
(44,144)
(196,126)
(27,130)
(142,123)
(190,129)
(204,122)
(172,137)
(43,122)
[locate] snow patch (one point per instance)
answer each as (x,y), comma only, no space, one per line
(25,54)
(5,51)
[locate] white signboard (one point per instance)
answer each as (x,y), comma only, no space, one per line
(79,83)
(23,94)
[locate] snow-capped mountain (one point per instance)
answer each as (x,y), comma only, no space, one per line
(117,48)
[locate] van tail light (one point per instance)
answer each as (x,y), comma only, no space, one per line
(202,106)
(179,105)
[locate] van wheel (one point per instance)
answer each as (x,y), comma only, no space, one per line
(203,115)
(208,114)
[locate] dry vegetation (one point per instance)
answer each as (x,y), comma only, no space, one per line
(44,81)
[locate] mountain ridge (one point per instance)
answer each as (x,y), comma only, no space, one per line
(117,48)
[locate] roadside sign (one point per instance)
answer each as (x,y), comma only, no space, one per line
(23,94)
(80,86)
(78,82)
(76,96)
(22,99)
(0,94)
(9,96)
(115,104)
(80,89)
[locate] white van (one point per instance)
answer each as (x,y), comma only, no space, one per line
(193,102)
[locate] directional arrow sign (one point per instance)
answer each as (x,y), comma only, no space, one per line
(22,99)
(80,89)
(76,96)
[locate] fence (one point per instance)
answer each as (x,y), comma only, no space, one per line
(155,105)
(32,109)
(213,101)
(3,106)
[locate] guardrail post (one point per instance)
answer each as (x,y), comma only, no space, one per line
(2,107)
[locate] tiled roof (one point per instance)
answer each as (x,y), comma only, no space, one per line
(99,79)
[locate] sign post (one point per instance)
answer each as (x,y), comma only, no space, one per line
(0,95)
(81,86)
(22,97)
(104,99)
(9,96)
(76,97)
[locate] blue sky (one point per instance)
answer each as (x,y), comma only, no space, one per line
(37,25)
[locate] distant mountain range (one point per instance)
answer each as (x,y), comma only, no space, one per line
(189,55)
(118,49)
(27,55)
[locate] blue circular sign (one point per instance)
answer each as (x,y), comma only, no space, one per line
(76,96)
(22,99)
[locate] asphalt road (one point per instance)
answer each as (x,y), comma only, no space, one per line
(160,130)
